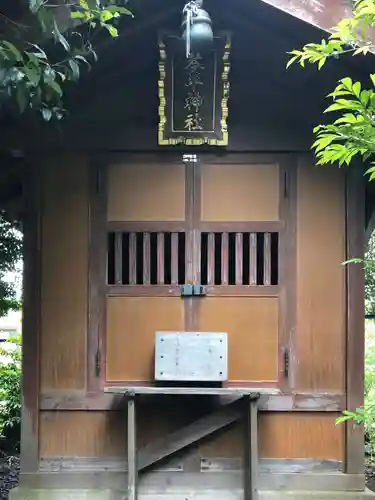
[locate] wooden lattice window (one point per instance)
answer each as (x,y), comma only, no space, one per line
(239,258)
(145,258)
(150,258)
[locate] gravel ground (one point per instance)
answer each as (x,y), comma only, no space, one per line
(370,475)
(9,470)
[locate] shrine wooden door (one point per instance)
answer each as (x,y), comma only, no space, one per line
(209,221)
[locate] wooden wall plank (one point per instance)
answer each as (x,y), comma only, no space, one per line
(81,433)
(320,335)
(131,326)
(146,191)
(64,295)
(252,326)
(240,192)
(104,433)
(284,435)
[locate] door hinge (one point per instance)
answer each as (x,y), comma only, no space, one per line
(97,363)
(286,363)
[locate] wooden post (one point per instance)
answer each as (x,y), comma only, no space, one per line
(31,321)
(132,450)
(251,449)
(355,217)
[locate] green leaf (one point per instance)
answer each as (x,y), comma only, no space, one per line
(74,66)
(321,63)
(335,107)
(82,59)
(348,83)
(47,114)
(56,87)
(357,89)
(291,61)
(15,52)
(59,37)
(78,15)
(33,74)
(39,52)
(111,29)
(119,9)
(49,74)
(106,15)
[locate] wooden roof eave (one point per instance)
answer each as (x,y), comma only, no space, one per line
(321,14)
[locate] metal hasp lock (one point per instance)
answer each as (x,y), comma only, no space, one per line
(187,291)
(199,291)
(196,290)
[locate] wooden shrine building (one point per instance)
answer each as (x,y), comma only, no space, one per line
(189,328)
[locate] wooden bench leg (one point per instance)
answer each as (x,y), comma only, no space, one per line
(132,451)
(251,449)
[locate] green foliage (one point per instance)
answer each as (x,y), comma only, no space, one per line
(10,256)
(10,391)
(34,72)
(352,133)
(369,266)
(366,415)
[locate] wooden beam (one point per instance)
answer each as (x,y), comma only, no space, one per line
(324,18)
(355,217)
(97,273)
(31,322)
(287,272)
(186,436)
(79,400)
(211,486)
(132,451)
(251,459)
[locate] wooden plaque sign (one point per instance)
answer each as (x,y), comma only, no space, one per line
(193,93)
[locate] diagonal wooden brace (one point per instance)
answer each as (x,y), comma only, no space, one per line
(177,440)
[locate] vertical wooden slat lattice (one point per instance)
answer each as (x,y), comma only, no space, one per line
(118,258)
(133,259)
(146,258)
(160,258)
(174,259)
(267,259)
(211,259)
(239,258)
(224,259)
(253,259)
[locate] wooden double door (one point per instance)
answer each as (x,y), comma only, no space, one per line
(214,222)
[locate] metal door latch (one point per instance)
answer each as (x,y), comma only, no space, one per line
(196,290)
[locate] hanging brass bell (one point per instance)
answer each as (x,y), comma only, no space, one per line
(200,29)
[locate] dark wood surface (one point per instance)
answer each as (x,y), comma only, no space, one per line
(31,320)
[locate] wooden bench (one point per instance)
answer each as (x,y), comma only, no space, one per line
(243,404)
